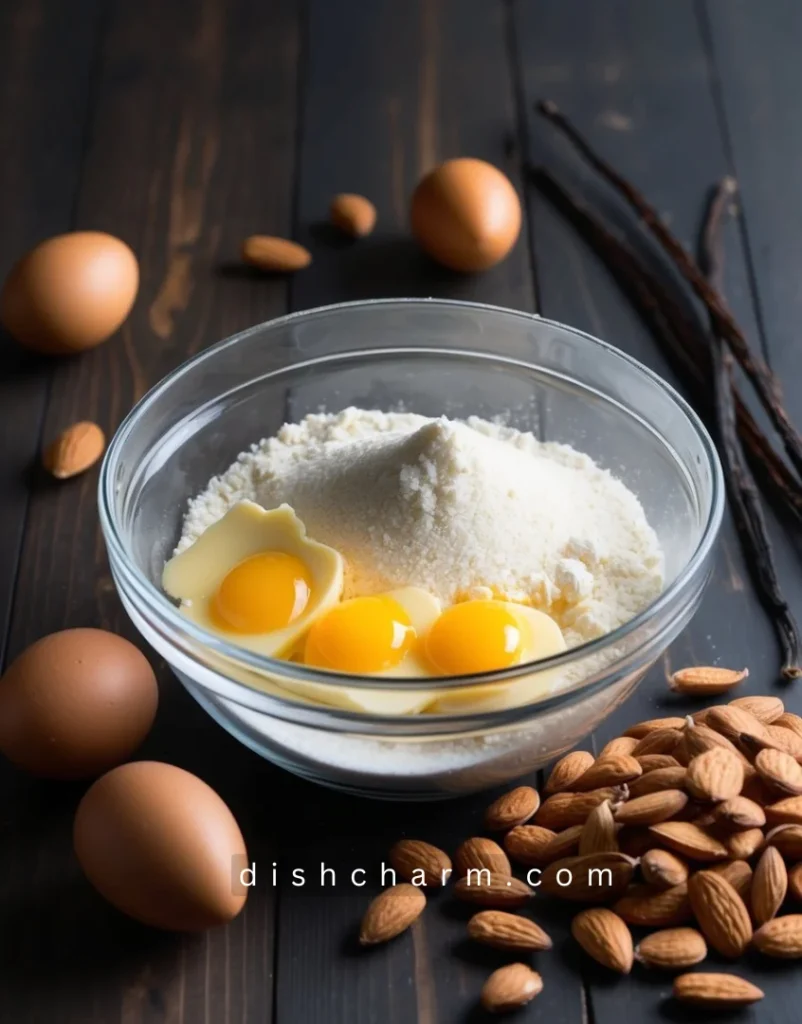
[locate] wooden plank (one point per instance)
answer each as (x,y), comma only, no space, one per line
(390,90)
(759,81)
(191,148)
(45,79)
(636,77)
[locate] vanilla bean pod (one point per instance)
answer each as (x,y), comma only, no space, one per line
(744,498)
(763,380)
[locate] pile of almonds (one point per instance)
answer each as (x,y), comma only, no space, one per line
(679,822)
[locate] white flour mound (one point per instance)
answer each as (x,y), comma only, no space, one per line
(460,508)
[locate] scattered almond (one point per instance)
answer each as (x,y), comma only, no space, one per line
(785,812)
(780,769)
(657,780)
(715,775)
(563,844)
(74,450)
(614,770)
(391,913)
(661,741)
(690,840)
(275,255)
(654,762)
(698,738)
(562,810)
(787,839)
(411,857)
(511,809)
(706,681)
(652,808)
(594,878)
(787,720)
(655,908)
(742,845)
(672,948)
(720,912)
(481,853)
(619,745)
(353,214)
(641,729)
(499,891)
(780,937)
(719,991)
(739,812)
(567,770)
(786,740)
(738,873)
(510,987)
(599,831)
(662,869)
(767,709)
(527,844)
(735,723)
(769,886)
(605,937)
(507,931)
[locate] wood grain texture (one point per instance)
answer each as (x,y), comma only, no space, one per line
(46,60)
(191,147)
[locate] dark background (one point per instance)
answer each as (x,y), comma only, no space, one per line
(183,126)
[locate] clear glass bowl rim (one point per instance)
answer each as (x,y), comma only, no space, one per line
(157,603)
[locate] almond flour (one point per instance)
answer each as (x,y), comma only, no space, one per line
(462,509)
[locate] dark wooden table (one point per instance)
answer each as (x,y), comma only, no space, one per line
(183,126)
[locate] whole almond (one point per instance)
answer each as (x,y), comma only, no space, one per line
(698,738)
(526,844)
(720,913)
(411,857)
(654,762)
(786,740)
(787,839)
(561,810)
(652,808)
(501,892)
(718,991)
(767,709)
(672,948)
(738,873)
(715,775)
(563,844)
(605,937)
(662,869)
(353,214)
(74,450)
(785,812)
(618,745)
(795,881)
(594,878)
(501,930)
(739,812)
(510,987)
(613,770)
(787,720)
(690,840)
(275,255)
(599,831)
(741,845)
(780,769)
(706,681)
(781,937)
(769,886)
(511,809)
(567,770)
(391,913)
(641,729)
(655,908)
(658,780)
(661,741)
(481,853)
(735,723)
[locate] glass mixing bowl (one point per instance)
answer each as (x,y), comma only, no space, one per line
(435,358)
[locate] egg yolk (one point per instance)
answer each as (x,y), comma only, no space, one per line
(474,636)
(363,635)
(264,592)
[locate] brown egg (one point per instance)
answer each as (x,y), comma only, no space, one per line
(162,847)
(466,214)
(70,293)
(76,703)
